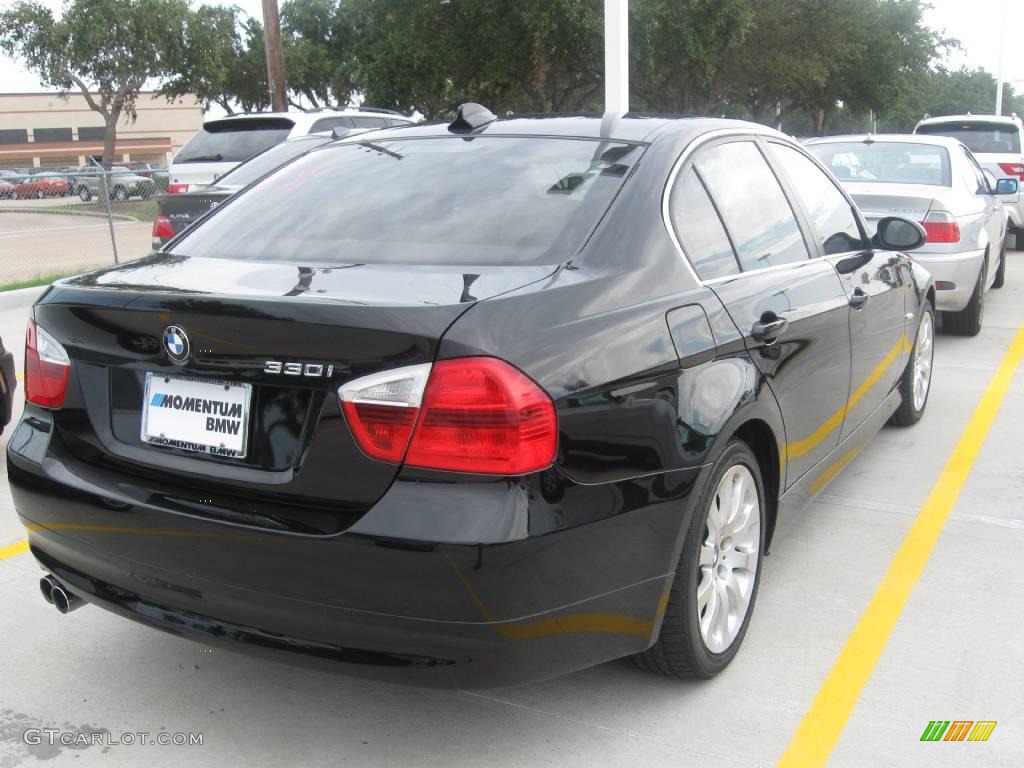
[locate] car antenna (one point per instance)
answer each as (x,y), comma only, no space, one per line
(471,116)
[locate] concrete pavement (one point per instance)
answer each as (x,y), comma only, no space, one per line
(954,655)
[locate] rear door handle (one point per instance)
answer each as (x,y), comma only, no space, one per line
(770,330)
(858,299)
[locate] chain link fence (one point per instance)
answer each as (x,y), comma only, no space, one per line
(63,221)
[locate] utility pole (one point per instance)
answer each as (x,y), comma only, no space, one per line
(616,57)
(1002,61)
(275,57)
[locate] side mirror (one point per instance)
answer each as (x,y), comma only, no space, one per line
(894,233)
(1007,187)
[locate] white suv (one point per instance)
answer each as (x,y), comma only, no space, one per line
(225,142)
(997,142)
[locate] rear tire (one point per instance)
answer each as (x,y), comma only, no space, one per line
(84,194)
(1001,270)
(120,194)
(967,322)
(721,557)
(916,381)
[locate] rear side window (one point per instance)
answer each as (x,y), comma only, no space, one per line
(235,141)
(987,138)
(369,122)
(831,215)
(329,124)
(753,206)
(487,200)
(700,231)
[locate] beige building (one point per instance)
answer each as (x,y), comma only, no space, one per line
(43,129)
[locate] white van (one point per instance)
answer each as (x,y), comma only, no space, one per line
(225,142)
(997,143)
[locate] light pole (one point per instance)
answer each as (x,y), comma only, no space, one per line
(275,57)
(1002,60)
(616,57)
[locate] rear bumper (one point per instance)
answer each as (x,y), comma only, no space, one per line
(8,385)
(541,600)
(960,269)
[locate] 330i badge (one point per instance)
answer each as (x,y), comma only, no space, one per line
(519,397)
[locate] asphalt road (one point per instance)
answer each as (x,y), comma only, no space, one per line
(44,244)
(954,654)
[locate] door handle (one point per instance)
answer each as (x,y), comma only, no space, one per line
(769,330)
(858,299)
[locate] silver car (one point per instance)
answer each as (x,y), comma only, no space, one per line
(936,181)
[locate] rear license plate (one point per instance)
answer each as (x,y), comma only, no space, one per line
(198,415)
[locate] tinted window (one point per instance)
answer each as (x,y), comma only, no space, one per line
(977,180)
(830,214)
(490,200)
(894,162)
(752,204)
(42,135)
(91,134)
(276,156)
(700,230)
(978,136)
(369,122)
(233,141)
(329,124)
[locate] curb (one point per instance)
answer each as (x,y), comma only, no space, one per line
(21,297)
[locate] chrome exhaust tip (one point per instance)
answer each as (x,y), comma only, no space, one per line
(64,600)
(46,586)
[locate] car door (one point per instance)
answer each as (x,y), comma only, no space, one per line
(791,309)
(874,282)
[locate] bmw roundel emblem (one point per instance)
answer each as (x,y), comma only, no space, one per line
(176,343)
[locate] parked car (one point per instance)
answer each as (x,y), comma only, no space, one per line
(938,182)
(997,142)
(41,185)
(6,190)
(176,213)
(157,173)
(225,142)
(121,184)
(8,386)
(471,404)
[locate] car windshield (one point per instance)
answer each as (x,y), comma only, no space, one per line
(234,141)
(980,137)
(265,162)
(450,200)
(891,162)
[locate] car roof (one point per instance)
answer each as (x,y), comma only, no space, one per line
(631,127)
(888,138)
(1004,119)
(308,117)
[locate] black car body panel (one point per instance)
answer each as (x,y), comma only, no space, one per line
(309,550)
(8,386)
(186,208)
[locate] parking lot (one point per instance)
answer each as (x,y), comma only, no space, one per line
(954,653)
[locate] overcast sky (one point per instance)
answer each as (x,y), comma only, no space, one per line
(976,23)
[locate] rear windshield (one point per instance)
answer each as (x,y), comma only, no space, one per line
(485,200)
(885,161)
(984,138)
(266,161)
(234,141)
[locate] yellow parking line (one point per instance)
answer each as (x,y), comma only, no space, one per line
(821,727)
(14,549)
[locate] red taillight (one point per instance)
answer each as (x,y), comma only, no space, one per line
(162,229)
(176,189)
(475,414)
(47,368)
(1013,169)
(941,227)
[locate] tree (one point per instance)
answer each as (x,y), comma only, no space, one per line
(317,52)
(214,51)
(107,49)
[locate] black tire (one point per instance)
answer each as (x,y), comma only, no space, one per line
(84,194)
(1001,269)
(120,194)
(907,414)
(967,322)
(40,194)
(680,650)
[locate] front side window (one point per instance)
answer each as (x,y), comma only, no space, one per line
(828,209)
(700,231)
(446,200)
(753,206)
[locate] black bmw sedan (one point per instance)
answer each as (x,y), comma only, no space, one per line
(514,398)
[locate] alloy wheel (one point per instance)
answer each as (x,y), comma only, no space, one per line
(923,355)
(727,567)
